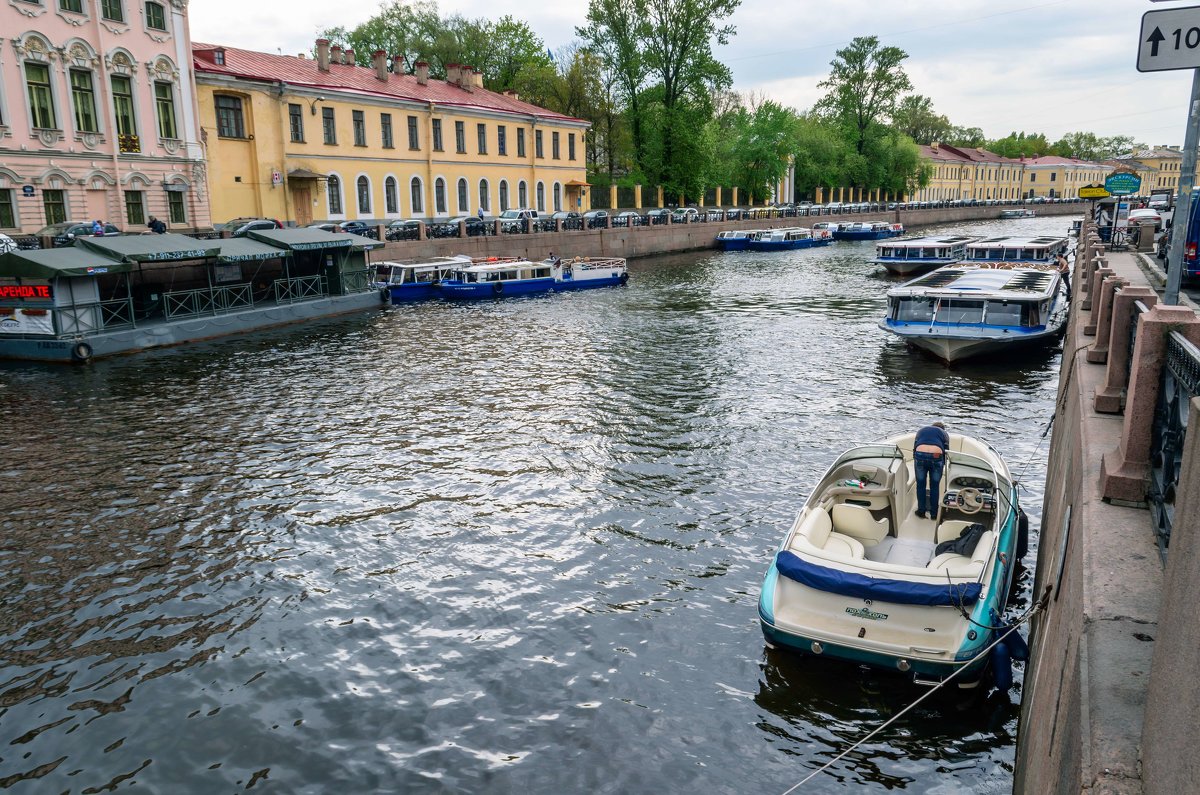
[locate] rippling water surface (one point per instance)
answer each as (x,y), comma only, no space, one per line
(512,546)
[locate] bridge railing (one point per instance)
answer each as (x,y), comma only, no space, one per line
(1180,383)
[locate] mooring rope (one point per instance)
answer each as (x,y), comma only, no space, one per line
(1033,610)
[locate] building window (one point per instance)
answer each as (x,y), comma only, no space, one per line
(8,213)
(418,204)
(135,207)
(414,140)
(439,196)
(41,101)
(437,135)
(521,143)
(156,19)
(54,203)
(557,195)
(503,195)
(360,127)
(219,57)
(364,195)
(390,205)
(570,146)
(83,98)
(296,123)
(328,126)
(333,188)
(460,137)
(1033,177)
(1052,176)
(483,195)
(463,205)
(164,103)
(554,145)
(176,212)
(481,134)
(229,117)
(111,10)
(71,5)
(122,91)
(501,140)
(385,126)
(522,194)
(541,197)
(537,145)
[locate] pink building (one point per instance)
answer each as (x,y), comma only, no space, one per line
(98,115)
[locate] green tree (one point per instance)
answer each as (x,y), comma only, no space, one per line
(1021,144)
(820,152)
(969,137)
(864,85)
(615,32)
(754,147)
(914,117)
(401,29)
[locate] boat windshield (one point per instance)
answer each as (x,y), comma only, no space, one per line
(914,309)
(1004,313)
(868,451)
(956,310)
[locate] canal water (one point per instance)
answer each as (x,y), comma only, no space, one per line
(503,547)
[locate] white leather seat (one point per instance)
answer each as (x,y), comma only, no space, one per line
(857,522)
(951,529)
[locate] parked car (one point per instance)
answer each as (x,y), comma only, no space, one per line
(64,234)
(658,215)
(683,215)
(239,227)
(403,230)
(476,227)
(513,220)
(627,218)
(1145,214)
(595,219)
(563,215)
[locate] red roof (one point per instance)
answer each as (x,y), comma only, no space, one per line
(250,65)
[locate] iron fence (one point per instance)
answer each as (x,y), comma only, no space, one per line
(205,301)
(1180,383)
(303,288)
(357,281)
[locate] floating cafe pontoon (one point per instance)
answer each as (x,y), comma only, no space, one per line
(112,295)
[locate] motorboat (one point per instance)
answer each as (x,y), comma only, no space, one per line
(908,256)
(505,276)
(859,576)
(978,307)
(403,282)
(735,239)
(1021,213)
(867,230)
(783,238)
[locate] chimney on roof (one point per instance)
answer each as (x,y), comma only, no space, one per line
(422,71)
(335,54)
(466,78)
(934,147)
(508,92)
(302,56)
(396,64)
(323,54)
(350,59)
(477,78)
(379,60)
(454,74)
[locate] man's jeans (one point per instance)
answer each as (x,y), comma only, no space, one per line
(927,465)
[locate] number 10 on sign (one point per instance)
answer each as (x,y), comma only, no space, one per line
(1169,39)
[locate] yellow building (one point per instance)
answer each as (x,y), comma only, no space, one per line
(1163,164)
(969,173)
(301,139)
(1052,176)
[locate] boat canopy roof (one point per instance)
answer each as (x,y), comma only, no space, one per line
(240,249)
(151,248)
(1016,248)
(925,242)
(984,279)
(505,265)
(54,262)
(309,239)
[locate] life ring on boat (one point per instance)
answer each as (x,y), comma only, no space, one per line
(624,278)
(491,259)
(497,287)
(81,352)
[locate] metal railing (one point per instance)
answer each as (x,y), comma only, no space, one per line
(187,303)
(358,281)
(303,288)
(1180,383)
(99,316)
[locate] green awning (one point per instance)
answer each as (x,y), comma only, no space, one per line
(152,248)
(52,262)
(306,238)
(240,249)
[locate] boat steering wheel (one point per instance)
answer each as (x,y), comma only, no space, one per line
(970,500)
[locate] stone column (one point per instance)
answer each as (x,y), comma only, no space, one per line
(1124,471)
(1108,399)
(818,199)
(841,194)
(660,197)
(421,231)
(637,197)
(735,196)
(1092,296)
(612,197)
(718,197)
(1102,319)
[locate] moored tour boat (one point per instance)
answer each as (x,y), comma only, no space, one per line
(908,256)
(1022,213)
(867,230)
(402,282)
(977,307)
(1014,248)
(858,576)
(497,276)
(735,239)
(785,237)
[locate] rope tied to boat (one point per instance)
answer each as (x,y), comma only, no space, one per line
(1034,609)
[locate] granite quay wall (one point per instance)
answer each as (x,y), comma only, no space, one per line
(645,241)
(1110,701)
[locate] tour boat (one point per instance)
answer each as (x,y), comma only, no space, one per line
(1022,213)
(735,239)
(402,282)
(858,576)
(1014,248)
(978,307)
(783,238)
(497,276)
(907,256)
(867,230)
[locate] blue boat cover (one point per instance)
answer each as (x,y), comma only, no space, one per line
(847,583)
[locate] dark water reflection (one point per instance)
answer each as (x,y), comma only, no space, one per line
(505,547)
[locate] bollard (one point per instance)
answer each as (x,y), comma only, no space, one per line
(1108,399)
(1092,296)
(1098,352)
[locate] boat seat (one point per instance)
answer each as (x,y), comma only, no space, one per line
(817,532)
(857,522)
(844,546)
(951,529)
(957,565)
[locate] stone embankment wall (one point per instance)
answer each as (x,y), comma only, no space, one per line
(1110,700)
(645,241)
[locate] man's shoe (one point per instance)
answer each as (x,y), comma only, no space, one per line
(920,514)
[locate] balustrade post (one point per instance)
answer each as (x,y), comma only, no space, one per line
(1092,296)
(421,231)
(558,222)
(381,233)
(1103,317)
(1124,471)
(462,228)
(498,227)
(1108,399)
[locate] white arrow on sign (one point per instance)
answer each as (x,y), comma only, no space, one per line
(1170,39)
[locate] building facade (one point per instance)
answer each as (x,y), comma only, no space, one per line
(302,140)
(1051,176)
(968,173)
(98,115)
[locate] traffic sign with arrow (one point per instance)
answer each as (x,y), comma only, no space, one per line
(1170,39)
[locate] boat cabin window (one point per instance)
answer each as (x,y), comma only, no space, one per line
(913,309)
(1004,313)
(960,311)
(541,273)
(423,277)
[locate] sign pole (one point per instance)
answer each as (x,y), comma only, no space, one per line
(1183,208)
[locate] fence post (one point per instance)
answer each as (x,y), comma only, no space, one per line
(1108,399)
(1098,352)
(1095,297)
(637,196)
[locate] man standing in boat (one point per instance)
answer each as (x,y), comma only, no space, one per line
(929,456)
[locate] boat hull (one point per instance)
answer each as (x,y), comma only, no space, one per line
(779,245)
(872,235)
(912,267)
(407,293)
(460,291)
(955,345)
(732,243)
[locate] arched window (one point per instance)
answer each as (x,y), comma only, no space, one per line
(418,203)
(522,195)
(483,195)
(391,206)
(557,197)
(464,206)
(364,195)
(503,195)
(541,197)
(334,190)
(439,196)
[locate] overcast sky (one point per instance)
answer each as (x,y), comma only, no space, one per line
(1051,66)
